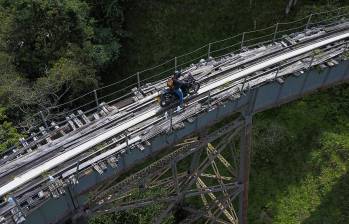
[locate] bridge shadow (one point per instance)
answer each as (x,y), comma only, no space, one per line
(334,207)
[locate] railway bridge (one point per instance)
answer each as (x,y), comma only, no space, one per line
(123,151)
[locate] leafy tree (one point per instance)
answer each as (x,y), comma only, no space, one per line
(114,218)
(8,134)
(138,215)
(52,51)
(43,30)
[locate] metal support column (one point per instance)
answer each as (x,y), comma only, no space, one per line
(244,170)
(245,156)
(195,161)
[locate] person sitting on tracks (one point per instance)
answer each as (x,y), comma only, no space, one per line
(176,85)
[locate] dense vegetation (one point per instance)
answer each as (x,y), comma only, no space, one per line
(300,174)
(51,51)
(8,134)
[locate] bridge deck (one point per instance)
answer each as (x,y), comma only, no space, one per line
(229,88)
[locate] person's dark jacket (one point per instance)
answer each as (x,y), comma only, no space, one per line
(178,83)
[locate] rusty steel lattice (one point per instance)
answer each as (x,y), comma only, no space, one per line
(205,177)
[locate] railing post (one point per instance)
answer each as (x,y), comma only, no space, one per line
(96,97)
(209,99)
(175,65)
(171,120)
(308,22)
(275,32)
(243,84)
(311,60)
(126,141)
(242,39)
(209,50)
(43,119)
(77,171)
(138,80)
(277,72)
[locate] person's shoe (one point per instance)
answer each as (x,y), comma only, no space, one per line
(179,109)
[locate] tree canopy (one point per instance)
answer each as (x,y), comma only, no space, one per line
(8,134)
(52,51)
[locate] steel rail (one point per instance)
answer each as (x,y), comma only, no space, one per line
(137,106)
(35,172)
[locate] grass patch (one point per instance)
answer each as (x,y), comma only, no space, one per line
(295,176)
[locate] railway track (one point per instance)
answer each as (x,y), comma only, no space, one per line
(134,123)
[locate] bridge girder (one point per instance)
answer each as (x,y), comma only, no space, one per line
(212,176)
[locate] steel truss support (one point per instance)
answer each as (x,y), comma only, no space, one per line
(244,171)
(197,178)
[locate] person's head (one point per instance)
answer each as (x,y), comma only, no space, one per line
(177,74)
(169,83)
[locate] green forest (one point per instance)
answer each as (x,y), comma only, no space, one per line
(52,51)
